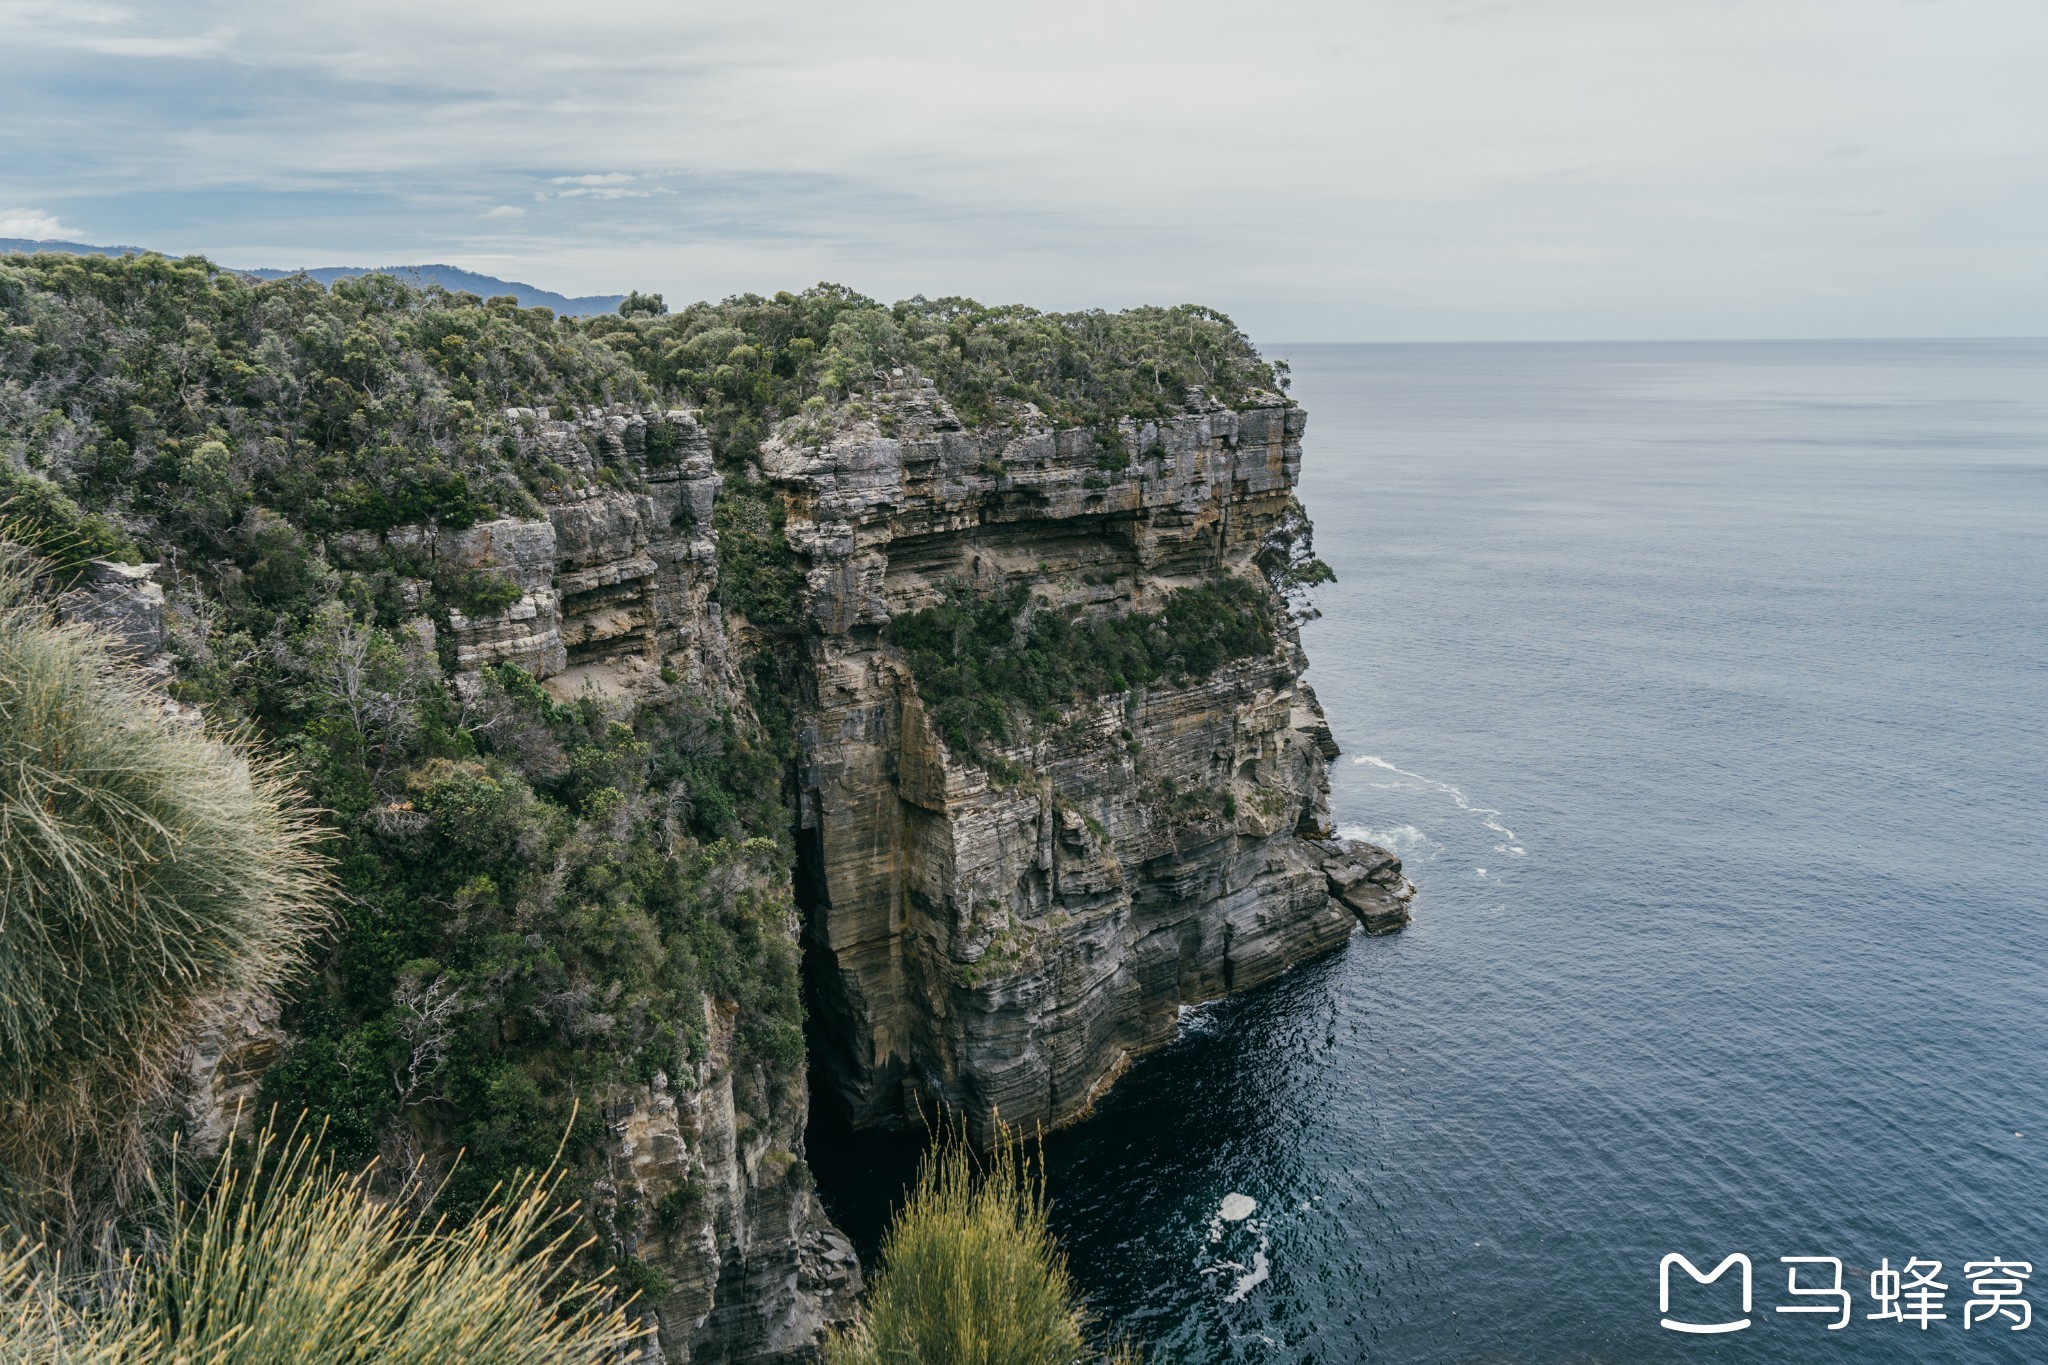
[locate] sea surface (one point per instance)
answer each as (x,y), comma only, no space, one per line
(1704,689)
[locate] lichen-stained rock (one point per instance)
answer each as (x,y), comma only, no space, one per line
(124,602)
(1006,946)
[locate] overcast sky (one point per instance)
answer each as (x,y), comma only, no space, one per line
(1374,169)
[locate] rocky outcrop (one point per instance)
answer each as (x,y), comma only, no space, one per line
(995,944)
(616,583)
(718,1201)
(220,1066)
(1369,881)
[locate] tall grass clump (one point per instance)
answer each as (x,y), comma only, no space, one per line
(151,871)
(971,1273)
(289,1258)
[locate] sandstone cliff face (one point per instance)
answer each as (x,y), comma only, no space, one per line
(721,1204)
(994,945)
(1007,947)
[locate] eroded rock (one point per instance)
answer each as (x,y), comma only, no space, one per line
(1369,881)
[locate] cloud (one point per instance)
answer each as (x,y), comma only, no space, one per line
(505,211)
(605,192)
(34,223)
(109,30)
(1334,168)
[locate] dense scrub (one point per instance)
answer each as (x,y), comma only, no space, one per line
(982,664)
(177,397)
(750,359)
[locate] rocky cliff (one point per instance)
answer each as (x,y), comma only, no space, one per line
(1004,937)
(989,934)
(704,1180)
(566,624)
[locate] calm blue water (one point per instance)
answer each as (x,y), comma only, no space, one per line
(1702,686)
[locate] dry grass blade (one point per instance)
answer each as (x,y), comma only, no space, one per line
(291,1259)
(287,1258)
(39,1325)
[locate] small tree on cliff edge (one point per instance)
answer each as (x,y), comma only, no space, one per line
(971,1273)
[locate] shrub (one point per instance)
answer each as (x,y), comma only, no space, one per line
(971,1274)
(979,662)
(149,869)
(39,516)
(288,1258)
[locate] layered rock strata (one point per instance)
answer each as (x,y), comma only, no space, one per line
(618,581)
(988,945)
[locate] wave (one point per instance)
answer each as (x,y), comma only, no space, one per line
(1488,816)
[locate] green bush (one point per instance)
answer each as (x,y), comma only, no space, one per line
(971,1273)
(150,869)
(288,1258)
(37,515)
(981,663)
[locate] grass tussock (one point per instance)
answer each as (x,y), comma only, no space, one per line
(971,1273)
(150,870)
(288,1258)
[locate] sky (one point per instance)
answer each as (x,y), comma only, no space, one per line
(1365,170)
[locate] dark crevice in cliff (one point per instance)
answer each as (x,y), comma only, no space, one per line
(829,1025)
(862,1174)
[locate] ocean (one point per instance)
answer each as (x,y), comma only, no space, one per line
(1702,687)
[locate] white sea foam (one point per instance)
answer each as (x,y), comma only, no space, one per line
(1488,816)
(1411,843)
(1260,1272)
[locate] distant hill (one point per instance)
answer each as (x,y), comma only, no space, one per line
(447,276)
